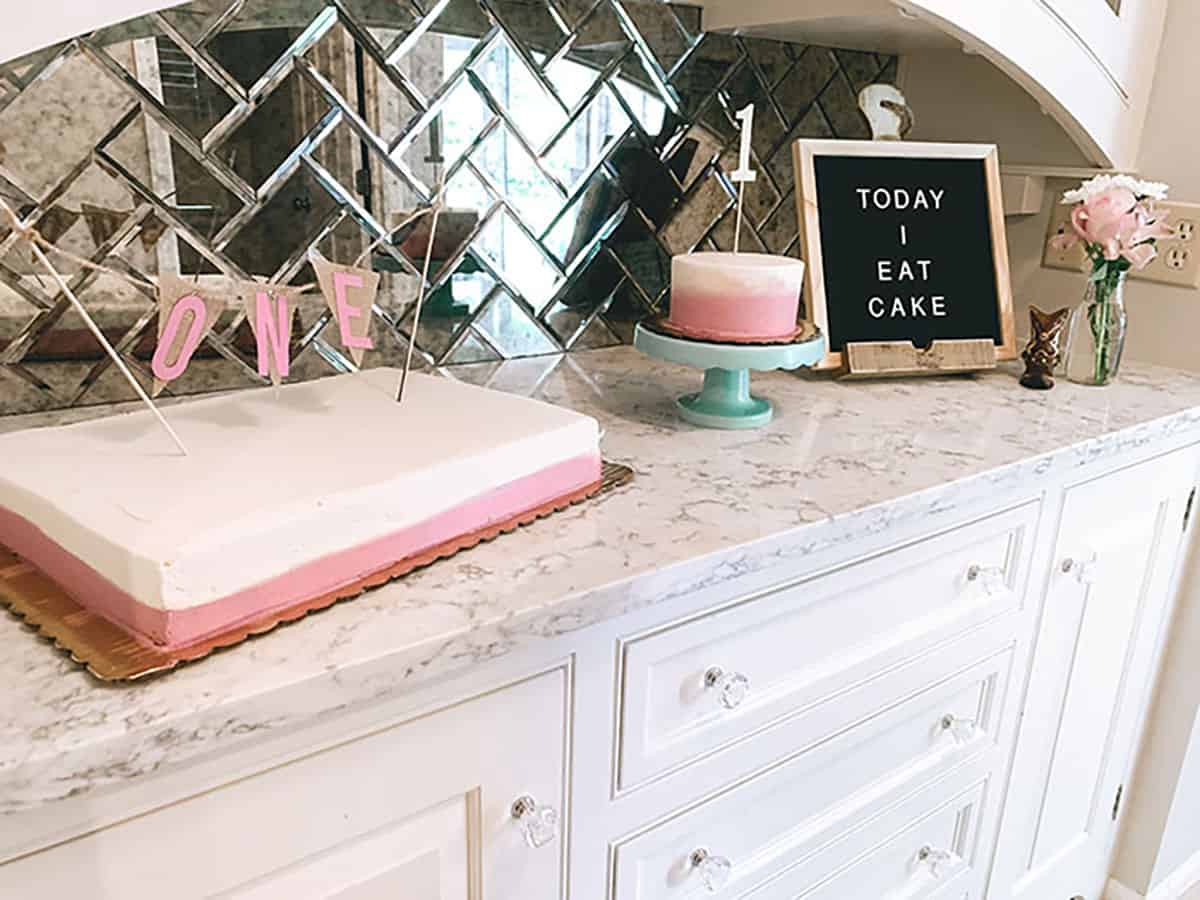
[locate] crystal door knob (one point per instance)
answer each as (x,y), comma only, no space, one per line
(714,871)
(961,729)
(538,823)
(936,860)
(1084,570)
(730,687)
(989,578)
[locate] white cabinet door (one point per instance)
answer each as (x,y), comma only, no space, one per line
(1106,605)
(419,811)
(1091,69)
(1122,35)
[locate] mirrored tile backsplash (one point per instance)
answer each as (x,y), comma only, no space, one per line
(581,142)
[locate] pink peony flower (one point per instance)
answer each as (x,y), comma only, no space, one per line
(1115,224)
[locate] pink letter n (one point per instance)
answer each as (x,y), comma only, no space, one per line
(272,334)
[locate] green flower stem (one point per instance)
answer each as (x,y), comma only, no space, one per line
(1106,275)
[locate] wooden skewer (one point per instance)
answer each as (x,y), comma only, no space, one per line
(412,339)
(737,229)
(95,330)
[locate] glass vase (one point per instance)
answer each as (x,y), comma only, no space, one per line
(1096,335)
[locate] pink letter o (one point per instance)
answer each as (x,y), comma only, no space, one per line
(169,372)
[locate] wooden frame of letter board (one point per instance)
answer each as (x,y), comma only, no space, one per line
(882,358)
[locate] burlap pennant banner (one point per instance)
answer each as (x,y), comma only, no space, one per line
(269,311)
(350,294)
(185,317)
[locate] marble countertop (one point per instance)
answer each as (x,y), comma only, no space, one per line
(840,461)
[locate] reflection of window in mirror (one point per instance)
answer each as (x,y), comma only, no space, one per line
(254,150)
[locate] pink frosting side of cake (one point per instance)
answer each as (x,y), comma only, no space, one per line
(747,295)
(173,629)
(740,314)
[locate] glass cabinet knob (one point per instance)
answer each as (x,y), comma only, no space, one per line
(989,578)
(730,687)
(538,823)
(936,860)
(1084,570)
(714,871)
(963,730)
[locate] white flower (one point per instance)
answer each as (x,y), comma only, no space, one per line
(1101,183)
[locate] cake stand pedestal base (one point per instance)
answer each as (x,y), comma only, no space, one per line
(725,400)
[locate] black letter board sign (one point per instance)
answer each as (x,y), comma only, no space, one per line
(905,246)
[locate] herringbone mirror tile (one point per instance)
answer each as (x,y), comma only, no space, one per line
(581,143)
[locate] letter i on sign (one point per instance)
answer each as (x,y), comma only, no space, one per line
(743,172)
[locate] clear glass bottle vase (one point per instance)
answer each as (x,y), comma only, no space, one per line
(1096,334)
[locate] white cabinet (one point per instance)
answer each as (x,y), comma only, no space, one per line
(1089,66)
(835,805)
(948,713)
(783,659)
(423,811)
(1115,33)
(1106,605)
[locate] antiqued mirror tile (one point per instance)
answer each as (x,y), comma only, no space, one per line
(704,204)
(663,32)
(512,330)
(581,224)
(582,142)
(588,140)
(522,98)
(803,84)
(839,102)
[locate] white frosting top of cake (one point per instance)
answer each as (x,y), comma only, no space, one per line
(736,274)
(273,480)
(721,260)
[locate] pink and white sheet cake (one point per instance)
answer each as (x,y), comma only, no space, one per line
(735,296)
(283,497)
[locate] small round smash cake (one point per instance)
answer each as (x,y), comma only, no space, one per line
(735,297)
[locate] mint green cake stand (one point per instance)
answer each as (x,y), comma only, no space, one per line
(725,400)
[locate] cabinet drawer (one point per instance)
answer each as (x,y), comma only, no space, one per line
(423,809)
(789,816)
(925,848)
(695,687)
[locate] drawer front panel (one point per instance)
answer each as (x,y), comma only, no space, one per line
(423,809)
(774,821)
(925,848)
(704,684)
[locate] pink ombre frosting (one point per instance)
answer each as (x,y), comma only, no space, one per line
(282,497)
(735,295)
(179,628)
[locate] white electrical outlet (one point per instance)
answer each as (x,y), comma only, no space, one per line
(1178,260)
(1075,258)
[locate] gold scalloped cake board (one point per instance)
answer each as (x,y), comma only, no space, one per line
(112,654)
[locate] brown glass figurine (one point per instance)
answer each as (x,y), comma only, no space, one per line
(1045,347)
